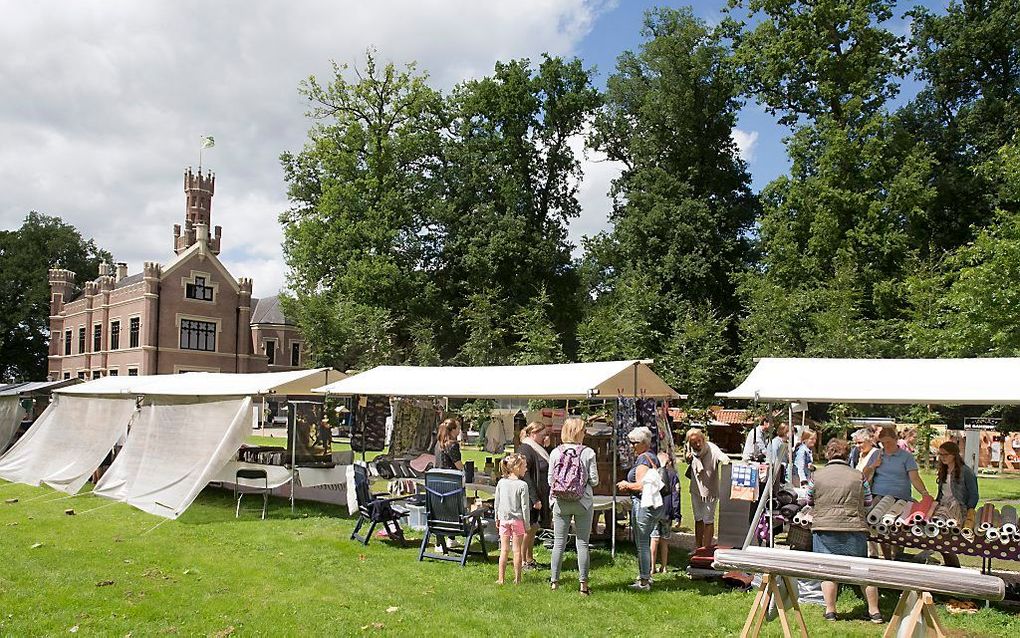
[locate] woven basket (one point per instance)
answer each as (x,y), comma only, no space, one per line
(799,538)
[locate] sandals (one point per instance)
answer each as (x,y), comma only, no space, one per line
(876,618)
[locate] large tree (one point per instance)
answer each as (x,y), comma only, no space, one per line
(511,178)
(835,233)
(683,207)
(26,255)
(969,58)
(354,237)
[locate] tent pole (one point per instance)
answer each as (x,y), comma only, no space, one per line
(292,418)
(615,459)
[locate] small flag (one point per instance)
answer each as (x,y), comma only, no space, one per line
(208,141)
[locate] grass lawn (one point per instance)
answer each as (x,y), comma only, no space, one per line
(113,570)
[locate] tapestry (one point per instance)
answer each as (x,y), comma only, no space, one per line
(369,431)
(414,423)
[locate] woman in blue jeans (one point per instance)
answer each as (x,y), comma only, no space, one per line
(643,519)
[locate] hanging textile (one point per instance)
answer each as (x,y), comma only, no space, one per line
(369,433)
(500,430)
(646,417)
(626,420)
(414,422)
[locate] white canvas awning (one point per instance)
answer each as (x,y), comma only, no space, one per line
(176,446)
(197,384)
(605,379)
(68,442)
(987,381)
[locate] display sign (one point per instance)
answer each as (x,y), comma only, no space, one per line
(981,423)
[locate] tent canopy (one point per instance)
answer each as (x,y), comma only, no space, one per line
(987,381)
(208,384)
(35,387)
(605,379)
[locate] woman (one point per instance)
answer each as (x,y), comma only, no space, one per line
(865,452)
(643,519)
(580,511)
(779,450)
(705,459)
(804,458)
(841,496)
(958,489)
(447,447)
(533,441)
(892,473)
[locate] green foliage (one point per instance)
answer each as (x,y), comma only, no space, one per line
(26,255)
(925,418)
(696,355)
(538,342)
(619,324)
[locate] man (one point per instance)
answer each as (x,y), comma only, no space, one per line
(705,459)
(893,473)
(756,445)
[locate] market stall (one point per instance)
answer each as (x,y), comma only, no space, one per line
(986,381)
(184,429)
(21,404)
(626,383)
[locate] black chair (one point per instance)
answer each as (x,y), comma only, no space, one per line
(241,489)
(374,509)
(446,516)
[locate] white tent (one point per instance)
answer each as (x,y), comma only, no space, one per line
(605,379)
(207,384)
(189,428)
(68,442)
(943,381)
(176,446)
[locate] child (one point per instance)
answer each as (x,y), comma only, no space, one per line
(513,505)
(670,513)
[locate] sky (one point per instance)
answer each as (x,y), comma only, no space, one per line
(105,102)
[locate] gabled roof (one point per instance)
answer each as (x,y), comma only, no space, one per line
(604,379)
(208,384)
(269,310)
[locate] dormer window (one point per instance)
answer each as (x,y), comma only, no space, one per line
(199,290)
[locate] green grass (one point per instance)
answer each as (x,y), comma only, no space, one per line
(113,570)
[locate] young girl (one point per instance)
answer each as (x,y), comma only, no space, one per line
(513,505)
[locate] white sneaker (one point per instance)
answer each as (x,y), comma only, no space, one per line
(639,586)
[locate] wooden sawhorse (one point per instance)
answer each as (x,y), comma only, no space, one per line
(769,587)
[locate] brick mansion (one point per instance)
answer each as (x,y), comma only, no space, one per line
(189,314)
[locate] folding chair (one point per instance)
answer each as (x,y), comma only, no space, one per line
(241,489)
(374,509)
(446,516)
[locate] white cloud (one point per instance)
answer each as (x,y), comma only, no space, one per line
(593,192)
(746,142)
(105,102)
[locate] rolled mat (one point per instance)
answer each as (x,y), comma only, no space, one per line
(894,512)
(879,509)
(1009,523)
(922,510)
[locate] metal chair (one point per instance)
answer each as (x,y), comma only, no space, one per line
(247,474)
(446,516)
(374,509)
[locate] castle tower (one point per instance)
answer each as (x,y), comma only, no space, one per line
(198,192)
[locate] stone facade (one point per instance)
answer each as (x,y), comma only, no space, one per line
(188,315)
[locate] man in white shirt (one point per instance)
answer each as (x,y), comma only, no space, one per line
(756,445)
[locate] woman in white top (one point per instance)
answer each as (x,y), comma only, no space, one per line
(867,452)
(564,510)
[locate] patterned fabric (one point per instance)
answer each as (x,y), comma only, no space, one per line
(647,417)
(626,420)
(369,433)
(414,422)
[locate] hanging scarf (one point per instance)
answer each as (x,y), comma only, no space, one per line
(703,466)
(541,451)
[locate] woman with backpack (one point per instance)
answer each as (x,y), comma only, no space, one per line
(646,502)
(573,473)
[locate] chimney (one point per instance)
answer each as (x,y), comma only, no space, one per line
(121,270)
(104,269)
(202,233)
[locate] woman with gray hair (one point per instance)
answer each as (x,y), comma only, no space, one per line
(643,518)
